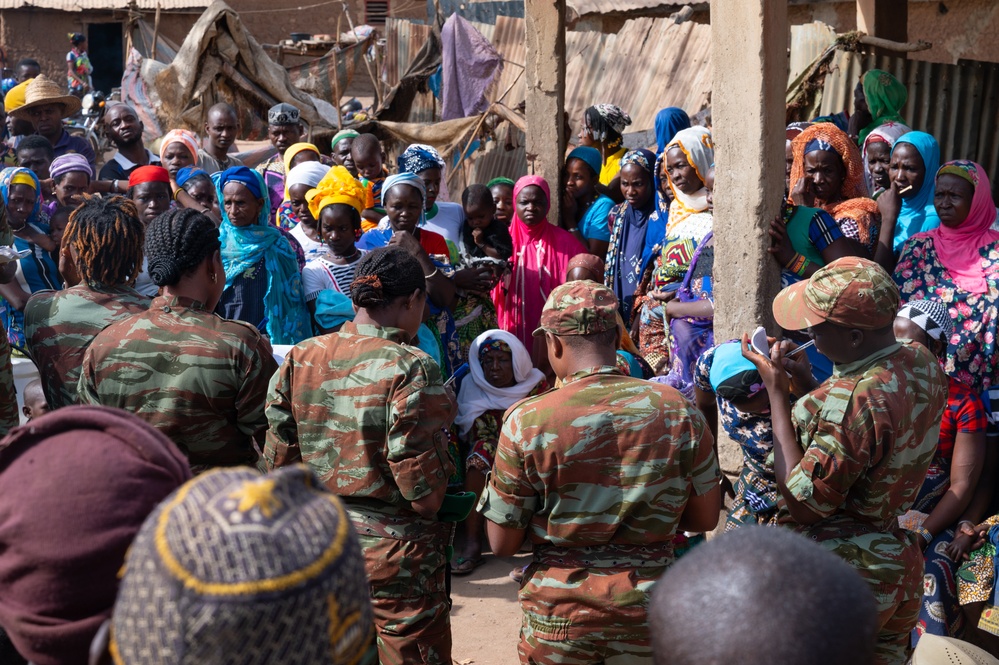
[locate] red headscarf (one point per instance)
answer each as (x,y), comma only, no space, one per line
(150,173)
(541,254)
(77,485)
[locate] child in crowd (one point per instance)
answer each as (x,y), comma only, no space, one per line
(198,184)
(366,152)
(57,225)
(35,405)
(502,191)
(584,209)
(483,236)
(337,203)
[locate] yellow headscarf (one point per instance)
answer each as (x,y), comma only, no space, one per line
(23,179)
(289,155)
(337,186)
(15,97)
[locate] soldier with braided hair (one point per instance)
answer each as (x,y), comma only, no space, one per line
(102,244)
(371,425)
(198,378)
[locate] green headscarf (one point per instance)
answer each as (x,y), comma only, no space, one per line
(886,96)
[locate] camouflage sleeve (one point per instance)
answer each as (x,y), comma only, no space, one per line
(281,448)
(509,499)
(835,458)
(250,401)
(9,417)
(417,444)
(86,387)
(705,474)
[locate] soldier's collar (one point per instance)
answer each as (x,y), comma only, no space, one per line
(396,335)
(599,369)
(176,301)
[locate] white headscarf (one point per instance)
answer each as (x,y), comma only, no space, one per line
(695,142)
(306,173)
(477,395)
(889,133)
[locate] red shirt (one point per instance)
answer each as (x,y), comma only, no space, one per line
(964,413)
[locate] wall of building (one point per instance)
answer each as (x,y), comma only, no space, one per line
(958,29)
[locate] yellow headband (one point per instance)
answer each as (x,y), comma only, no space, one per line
(23,179)
(337,186)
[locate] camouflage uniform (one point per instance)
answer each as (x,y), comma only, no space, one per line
(598,472)
(366,412)
(60,325)
(9,416)
(198,378)
(868,434)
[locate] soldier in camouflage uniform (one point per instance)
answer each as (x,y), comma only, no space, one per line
(9,416)
(367,412)
(103,246)
(198,378)
(852,454)
(600,473)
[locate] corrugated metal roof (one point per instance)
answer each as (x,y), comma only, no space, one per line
(120,5)
(955,103)
(643,7)
(403,40)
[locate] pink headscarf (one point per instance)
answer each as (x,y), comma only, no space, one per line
(184,137)
(541,254)
(959,249)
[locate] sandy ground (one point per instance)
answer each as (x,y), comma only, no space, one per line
(485,616)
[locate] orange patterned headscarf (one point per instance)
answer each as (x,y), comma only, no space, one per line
(855,204)
(853,184)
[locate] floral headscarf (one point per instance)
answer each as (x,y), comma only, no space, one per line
(418,157)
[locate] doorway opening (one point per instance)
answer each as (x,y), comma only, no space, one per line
(106,47)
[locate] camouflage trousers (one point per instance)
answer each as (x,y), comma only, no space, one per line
(898,611)
(538,648)
(9,416)
(410,603)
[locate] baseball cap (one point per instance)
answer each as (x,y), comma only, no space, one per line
(850,291)
(579,308)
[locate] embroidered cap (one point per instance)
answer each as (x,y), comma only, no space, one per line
(283,114)
(579,308)
(264,569)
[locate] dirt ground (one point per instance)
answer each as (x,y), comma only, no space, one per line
(485,615)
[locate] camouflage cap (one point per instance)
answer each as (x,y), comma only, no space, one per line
(851,292)
(579,308)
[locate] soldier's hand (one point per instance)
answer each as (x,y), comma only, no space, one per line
(771,369)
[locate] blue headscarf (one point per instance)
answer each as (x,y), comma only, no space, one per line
(918,214)
(669,121)
(7,175)
(418,157)
(333,309)
(187,173)
(590,156)
(636,226)
(243,247)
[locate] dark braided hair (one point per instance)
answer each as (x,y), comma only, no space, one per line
(384,274)
(107,236)
(177,242)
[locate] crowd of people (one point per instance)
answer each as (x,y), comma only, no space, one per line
(272,396)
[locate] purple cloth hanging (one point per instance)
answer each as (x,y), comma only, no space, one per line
(470,65)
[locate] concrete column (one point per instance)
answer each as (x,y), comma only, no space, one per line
(749,41)
(545,77)
(888,19)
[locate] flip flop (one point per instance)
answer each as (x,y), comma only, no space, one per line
(463,566)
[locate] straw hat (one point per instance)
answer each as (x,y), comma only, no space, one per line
(933,649)
(43,90)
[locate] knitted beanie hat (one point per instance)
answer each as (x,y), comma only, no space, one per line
(245,569)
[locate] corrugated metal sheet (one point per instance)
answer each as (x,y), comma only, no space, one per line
(483,11)
(646,7)
(81,5)
(809,41)
(403,40)
(955,103)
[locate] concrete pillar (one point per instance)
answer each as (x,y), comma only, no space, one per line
(749,41)
(545,77)
(888,19)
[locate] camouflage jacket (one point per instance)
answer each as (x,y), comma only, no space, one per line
(198,378)
(599,472)
(9,415)
(366,412)
(869,434)
(60,325)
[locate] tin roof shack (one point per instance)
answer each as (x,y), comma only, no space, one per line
(39,29)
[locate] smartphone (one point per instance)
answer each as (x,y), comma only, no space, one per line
(760,343)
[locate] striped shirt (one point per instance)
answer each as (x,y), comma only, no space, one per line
(321,273)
